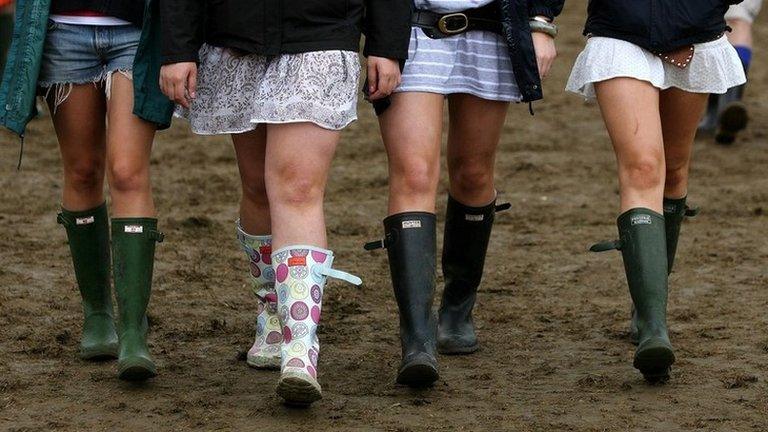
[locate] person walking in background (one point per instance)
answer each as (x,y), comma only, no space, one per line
(282,80)
(480,55)
(651,70)
(726,114)
(98,64)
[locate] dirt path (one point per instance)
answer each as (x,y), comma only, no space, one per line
(552,317)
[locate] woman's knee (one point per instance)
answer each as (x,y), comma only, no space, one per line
(415,177)
(85,178)
(293,188)
(127,177)
(471,177)
(643,173)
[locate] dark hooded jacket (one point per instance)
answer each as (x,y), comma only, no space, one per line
(272,27)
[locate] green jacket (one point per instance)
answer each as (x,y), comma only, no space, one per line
(19,85)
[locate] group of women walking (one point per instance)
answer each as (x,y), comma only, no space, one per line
(281,78)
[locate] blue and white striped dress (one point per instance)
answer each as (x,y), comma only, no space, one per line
(475,62)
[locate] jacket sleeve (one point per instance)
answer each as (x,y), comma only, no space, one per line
(547,8)
(387,28)
(182,24)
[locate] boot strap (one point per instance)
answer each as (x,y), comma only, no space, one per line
(156,236)
(503,207)
(691,211)
(606,246)
(338,274)
(61,220)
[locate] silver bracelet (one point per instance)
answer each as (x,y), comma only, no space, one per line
(540,26)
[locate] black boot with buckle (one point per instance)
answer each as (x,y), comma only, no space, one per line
(411,243)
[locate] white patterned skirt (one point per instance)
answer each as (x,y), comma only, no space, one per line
(714,69)
(236,93)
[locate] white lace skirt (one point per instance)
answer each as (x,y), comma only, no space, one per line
(236,93)
(714,69)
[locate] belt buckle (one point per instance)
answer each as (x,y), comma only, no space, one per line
(454,23)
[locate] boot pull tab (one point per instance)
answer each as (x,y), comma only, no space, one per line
(338,274)
(503,207)
(606,246)
(61,220)
(156,236)
(691,211)
(384,243)
(374,245)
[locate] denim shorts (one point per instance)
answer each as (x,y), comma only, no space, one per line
(78,54)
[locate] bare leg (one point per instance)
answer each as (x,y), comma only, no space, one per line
(680,113)
(630,109)
(474,134)
(250,148)
(82,145)
(412,129)
(129,144)
(298,158)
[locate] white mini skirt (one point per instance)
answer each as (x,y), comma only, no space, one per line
(714,69)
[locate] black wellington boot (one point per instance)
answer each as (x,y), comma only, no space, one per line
(133,251)
(88,235)
(411,242)
(465,243)
(675,211)
(732,116)
(643,246)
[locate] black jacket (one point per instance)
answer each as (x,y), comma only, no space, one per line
(271,27)
(658,25)
(129,10)
(515,15)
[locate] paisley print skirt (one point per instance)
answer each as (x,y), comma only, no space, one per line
(236,93)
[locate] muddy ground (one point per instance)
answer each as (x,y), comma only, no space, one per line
(552,317)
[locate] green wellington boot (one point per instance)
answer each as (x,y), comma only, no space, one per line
(675,211)
(465,243)
(88,235)
(133,250)
(643,246)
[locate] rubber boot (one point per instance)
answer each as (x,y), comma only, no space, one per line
(300,274)
(88,235)
(411,243)
(732,116)
(642,236)
(265,352)
(675,211)
(133,254)
(465,243)
(708,123)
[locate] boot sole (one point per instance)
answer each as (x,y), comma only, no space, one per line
(457,350)
(298,389)
(418,374)
(655,363)
(732,120)
(263,363)
(99,353)
(136,370)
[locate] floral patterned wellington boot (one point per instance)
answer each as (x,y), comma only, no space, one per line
(300,275)
(265,352)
